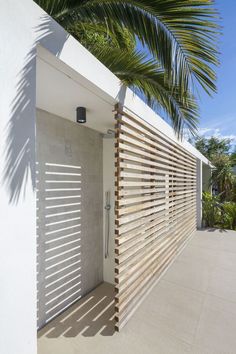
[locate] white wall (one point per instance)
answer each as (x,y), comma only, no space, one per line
(17,181)
(199,193)
(23,27)
(70,237)
(109,185)
(206,178)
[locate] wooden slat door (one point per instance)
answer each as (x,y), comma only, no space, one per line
(155,208)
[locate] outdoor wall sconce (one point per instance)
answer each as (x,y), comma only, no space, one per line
(81,115)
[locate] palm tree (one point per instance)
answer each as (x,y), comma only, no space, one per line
(179,47)
(223,177)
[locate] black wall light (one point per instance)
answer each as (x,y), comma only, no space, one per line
(81,115)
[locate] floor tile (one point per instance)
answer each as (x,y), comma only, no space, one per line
(226,260)
(193,275)
(219,240)
(203,350)
(195,254)
(222,283)
(217,326)
(192,310)
(173,308)
(151,338)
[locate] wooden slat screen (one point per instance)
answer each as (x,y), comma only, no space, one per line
(155,208)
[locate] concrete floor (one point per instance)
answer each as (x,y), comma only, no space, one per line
(191,310)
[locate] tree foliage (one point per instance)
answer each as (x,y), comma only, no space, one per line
(233,157)
(218,151)
(223,177)
(213,146)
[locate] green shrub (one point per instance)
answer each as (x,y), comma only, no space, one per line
(211,211)
(217,214)
(229,215)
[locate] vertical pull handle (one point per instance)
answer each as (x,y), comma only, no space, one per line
(107,231)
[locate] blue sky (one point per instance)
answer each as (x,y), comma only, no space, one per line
(218,114)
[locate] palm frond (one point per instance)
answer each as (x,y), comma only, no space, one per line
(181,34)
(98,35)
(144,76)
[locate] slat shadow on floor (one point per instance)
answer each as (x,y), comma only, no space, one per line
(91,315)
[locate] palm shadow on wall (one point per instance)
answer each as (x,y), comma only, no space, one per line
(20,167)
(20,131)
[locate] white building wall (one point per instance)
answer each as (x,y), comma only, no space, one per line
(70,227)
(24,26)
(199,193)
(206,178)
(17,177)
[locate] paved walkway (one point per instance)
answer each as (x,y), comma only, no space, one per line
(191,310)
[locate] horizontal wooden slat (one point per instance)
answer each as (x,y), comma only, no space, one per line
(124,183)
(155,208)
(139,191)
(134,236)
(151,140)
(137,207)
(122,318)
(137,223)
(158,156)
(145,128)
(131,291)
(123,263)
(136,199)
(141,146)
(141,175)
(164,169)
(128,218)
(128,277)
